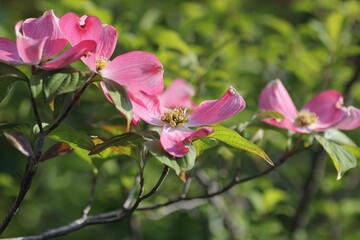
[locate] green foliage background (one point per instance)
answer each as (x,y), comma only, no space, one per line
(310,45)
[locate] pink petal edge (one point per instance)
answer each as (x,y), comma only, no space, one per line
(213,111)
(274,97)
(352,119)
(136,71)
(178,94)
(8,52)
(327,106)
(30,50)
(176,140)
(46,26)
(82,49)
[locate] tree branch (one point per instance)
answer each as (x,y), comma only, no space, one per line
(31,166)
(92,195)
(108,217)
(235,181)
(26,181)
(71,105)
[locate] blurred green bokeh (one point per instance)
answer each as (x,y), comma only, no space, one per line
(311,45)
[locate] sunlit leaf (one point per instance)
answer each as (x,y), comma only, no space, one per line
(342,158)
(338,137)
(353,149)
(64,81)
(72,137)
(271,114)
(334,25)
(280,25)
(171,39)
(177,164)
(235,140)
(202,144)
(121,140)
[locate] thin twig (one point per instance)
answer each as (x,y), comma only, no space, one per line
(26,180)
(31,166)
(235,181)
(164,173)
(71,105)
(108,217)
(131,193)
(92,194)
(29,173)
(36,111)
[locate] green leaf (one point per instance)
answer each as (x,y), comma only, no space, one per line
(338,137)
(201,144)
(6,84)
(271,114)
(334,24)
(187,162)
(235,140)
(120,99)
(64,81)
(9,75)
(171,39)
(177,164)
(278,24)
(72,137)
(121,140)
(342,158)
(8,71)
(353,149)
(36,83)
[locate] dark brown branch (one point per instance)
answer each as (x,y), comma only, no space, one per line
(30,168)
(235,181)
(29,172)
(26,181)
(109,217)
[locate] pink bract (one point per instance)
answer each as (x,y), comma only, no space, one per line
(178,94)
(323,111)
(39,39)
(136,71)
(177,135)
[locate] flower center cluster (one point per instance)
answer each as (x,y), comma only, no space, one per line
(175,117)
(305,118)
(101,63)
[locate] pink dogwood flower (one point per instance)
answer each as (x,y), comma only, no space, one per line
(176,134)
(178,94)
(136,70)
(323,111)
(39,39)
